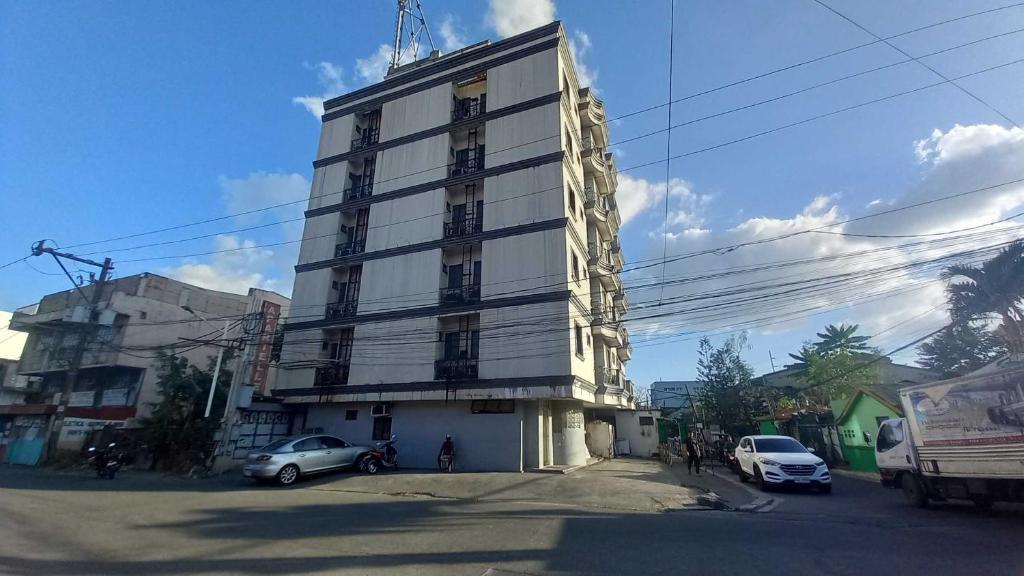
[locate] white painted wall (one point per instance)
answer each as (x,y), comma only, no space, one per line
(643,440)
(336,136)
(328,184)
(527,134)
(523,79)
(524,264)
(524,196)
(396,351)
(319,237)
(403,281)
(11,341)
(524,341)
(405,221)
(416,112)
(411,164)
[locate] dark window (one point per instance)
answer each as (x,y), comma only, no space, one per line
(451,346)
(579,340)
(474,344)
(779,446)
(879,420)
(455,276)
(568,142)
(889,436)
(332,442)
(477,270)
(351,414)
(572,202)
(277,446)
(575,267)
(647,420)
(493,406)
(142,315)
(382,428)
(306,445)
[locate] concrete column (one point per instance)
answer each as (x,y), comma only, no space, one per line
(570,437)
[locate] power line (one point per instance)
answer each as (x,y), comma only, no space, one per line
(668,136)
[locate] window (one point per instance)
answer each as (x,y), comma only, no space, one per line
(572,203)
(779,446)
(575,267)
(879,420)
(330,442)
(306,445)
(568,143)
(382,428)
(142,315)
(493,406)
(889,436)
(351,414)
(647,420)
(579,340)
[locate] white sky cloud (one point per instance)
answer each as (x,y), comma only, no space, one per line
(373,68)
(331,79)
(635,195)
(452,36)
(510,17)
(579,46)
(234,271)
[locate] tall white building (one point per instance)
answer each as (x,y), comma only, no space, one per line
(459,267)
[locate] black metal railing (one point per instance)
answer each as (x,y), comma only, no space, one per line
(468,166)
(469,108)
(454,296)
(368,138)
(339,310)
(356,192)
(349,248)
(332,375)
(456,369)
(464,226)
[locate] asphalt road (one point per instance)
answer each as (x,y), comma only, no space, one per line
(141,524)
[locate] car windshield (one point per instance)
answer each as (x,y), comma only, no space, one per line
(783,445)
(275,446)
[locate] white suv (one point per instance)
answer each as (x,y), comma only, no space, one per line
(781,460)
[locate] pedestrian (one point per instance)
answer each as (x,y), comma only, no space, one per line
(446,456)
(693,453)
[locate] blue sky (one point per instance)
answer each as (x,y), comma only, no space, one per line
(118,118)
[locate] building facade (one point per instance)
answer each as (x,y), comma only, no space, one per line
(137,318)
(459,267)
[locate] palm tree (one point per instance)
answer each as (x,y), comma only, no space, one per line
(995,287)
(841,339)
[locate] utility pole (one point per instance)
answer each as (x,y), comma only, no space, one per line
(71,376)
(772,359)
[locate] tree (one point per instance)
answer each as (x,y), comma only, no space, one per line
(959,349)
(841,339)
(176,428)
(836,375)
(995,287)
(726,394)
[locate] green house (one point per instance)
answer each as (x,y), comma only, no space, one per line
(858,421)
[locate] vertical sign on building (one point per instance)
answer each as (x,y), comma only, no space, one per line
(271,313)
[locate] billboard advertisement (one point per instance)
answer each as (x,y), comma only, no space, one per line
(270,314)
(986,409)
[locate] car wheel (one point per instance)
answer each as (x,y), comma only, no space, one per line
(760,479)
(288,475)
(372,466)
(743,475)
(914,491)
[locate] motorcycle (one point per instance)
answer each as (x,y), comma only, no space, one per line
(107,461)
(385,455)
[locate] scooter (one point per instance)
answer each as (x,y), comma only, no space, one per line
(384,456)
(107,461)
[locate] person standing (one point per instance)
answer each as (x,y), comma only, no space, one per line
(693,453)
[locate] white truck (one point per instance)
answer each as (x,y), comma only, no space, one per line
(961,438)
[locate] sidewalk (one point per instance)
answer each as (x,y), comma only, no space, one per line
(628,484)
(868,476)
(723,487)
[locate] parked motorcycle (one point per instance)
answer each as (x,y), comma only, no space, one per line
(107,461)
(385,455)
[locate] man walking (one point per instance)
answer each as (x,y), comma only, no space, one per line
(693,453)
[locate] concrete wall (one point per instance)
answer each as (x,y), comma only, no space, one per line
(405,221)
(336,136)
(404,281)
(643,440)
(523,135)
(568,433)
(397,351)
(328,184)
(523,196)
(319,237)
(524,341)
(524,264)
(523,79)
(421,161)
(416,112)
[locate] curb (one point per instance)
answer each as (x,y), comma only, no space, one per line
(866,476)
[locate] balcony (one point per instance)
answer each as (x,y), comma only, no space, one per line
(357,192)
(467,166)
(601,259)
(464,227)
(349,248)
(469,108)
(608,378)
(340,310)
(595,204)
(368,138)
(459,295)
(456,369)
(335,374)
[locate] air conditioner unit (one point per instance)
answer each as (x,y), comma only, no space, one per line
(380,410)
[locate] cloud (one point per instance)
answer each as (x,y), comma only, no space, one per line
(579,46)
(331,79)
(373,68)
(234,271)
(510,17)
(451,35)
(956,161)
(635,195)
(262,189)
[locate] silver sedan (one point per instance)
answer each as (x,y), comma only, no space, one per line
(289,459)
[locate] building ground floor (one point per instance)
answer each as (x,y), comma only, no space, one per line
(490,435)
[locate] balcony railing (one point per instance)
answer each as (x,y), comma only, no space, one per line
(339,310)
(464,227)
(368,138)
(609,377)
(349,248)
(335,374)
(599,256)
(456,369)
(458,295)
(467,166)
(358,191)
(469,108)
(592,201)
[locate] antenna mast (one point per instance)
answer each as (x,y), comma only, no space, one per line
(414,23)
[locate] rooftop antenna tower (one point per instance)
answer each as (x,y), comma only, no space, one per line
(410,26)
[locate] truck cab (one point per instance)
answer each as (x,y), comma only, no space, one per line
(894,452)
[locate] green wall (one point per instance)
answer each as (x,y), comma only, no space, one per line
(860,419)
